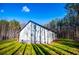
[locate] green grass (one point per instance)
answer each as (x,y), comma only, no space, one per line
(21,50)
(38,50)
(6,41)
(66,48)
(47,50)
(3,51)
(12,51)
(29,50)
(2,46)
(61,47)
(57,50)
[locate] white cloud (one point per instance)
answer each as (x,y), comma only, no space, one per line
(25,9)
(1,10)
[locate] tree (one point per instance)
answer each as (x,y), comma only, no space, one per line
(14,28)
(74,16)
(68,26)
(9,29)
(4,29)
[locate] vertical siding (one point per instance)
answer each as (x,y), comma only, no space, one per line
(42,35)
(33,33)
(46,36)
(29,33)
(37,34)
(25,34)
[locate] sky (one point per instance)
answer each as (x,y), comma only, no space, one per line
(38,12)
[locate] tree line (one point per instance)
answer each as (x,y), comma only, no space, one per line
(9,29)
(68,26)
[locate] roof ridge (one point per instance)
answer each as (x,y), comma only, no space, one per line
(38,25)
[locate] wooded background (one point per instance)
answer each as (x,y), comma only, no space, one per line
(9,29)
(67,27)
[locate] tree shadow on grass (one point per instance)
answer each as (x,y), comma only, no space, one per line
(16,50)
(24,49)
(36,49)
(6,46)
(42,48)
(69,43)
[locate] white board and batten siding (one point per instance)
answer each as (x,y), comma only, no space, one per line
(33,33)
(25,34)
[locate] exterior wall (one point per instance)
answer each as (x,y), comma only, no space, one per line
(46,36)
(25,34)
(50,39)
(37,34)
(33,33)
(29,33)
(42,35)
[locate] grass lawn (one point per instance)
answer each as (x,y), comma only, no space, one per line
(61,47)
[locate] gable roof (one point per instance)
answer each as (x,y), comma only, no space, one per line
(38,25)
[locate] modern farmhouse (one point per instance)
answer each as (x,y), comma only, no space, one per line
(35,33)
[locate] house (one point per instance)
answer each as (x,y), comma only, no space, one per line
(34,33)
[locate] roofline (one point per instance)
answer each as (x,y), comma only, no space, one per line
(38,25)
(43,26)
(24,26)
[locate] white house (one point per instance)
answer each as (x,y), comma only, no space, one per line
(35,33)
